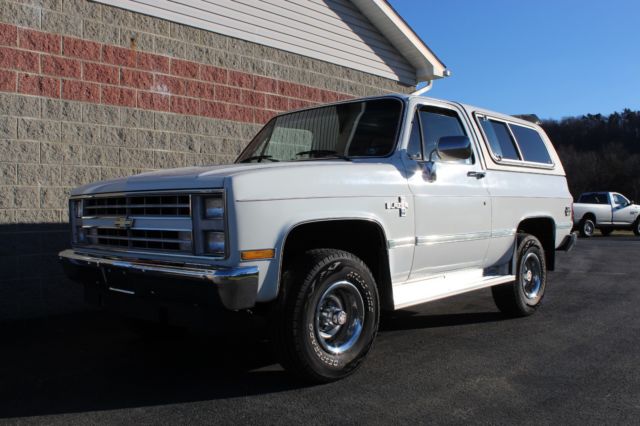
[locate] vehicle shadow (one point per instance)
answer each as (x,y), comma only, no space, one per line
(90,361)
(411,320)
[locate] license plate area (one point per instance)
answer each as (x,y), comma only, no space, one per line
(118,281)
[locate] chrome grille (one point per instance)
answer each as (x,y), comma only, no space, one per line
(159,222)
(140,239)
(147,205)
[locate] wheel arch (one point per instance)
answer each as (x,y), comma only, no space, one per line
(370,246)
(544,229)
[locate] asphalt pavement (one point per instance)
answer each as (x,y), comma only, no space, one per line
(576,361)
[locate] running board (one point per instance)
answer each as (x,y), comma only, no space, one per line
(444,285)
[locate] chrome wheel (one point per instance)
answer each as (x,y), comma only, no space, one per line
(339,317)
(531,278)
(588,228)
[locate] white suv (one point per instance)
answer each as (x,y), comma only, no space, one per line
(330,215)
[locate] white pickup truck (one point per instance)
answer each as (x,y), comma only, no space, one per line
(331,215)
(605,211)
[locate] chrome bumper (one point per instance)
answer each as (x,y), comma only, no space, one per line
(236,287)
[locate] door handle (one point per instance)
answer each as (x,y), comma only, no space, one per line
(477,175)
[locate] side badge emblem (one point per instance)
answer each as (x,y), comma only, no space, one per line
(401,205)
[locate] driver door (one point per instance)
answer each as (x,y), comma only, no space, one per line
(452,212)
(623,211)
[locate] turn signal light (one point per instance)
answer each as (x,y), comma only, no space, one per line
(258,254)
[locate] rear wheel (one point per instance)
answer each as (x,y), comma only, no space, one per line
(636,227)
(587,227)
(328,318)
(525,294)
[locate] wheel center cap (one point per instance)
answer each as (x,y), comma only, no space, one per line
(528,275)
(339,317)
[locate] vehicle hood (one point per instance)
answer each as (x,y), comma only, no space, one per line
(257,181)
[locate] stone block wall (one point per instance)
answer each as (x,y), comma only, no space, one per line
(91,92)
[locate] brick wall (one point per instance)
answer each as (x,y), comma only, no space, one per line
(91,92)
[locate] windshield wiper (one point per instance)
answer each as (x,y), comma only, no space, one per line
(259,157)
(323,153)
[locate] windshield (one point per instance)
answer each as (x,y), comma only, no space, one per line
(354,129)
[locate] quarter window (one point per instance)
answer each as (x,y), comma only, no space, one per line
(500,139)
(531,144)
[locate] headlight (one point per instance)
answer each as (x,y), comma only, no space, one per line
(213,208)
(214,243)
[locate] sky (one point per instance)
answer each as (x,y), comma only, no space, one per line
(551,58)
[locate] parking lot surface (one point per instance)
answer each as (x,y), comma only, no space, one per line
(454,361)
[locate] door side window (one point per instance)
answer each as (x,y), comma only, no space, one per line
(414,148)
(620,200)
(437,123)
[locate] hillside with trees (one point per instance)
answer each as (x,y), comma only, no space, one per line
(599,152)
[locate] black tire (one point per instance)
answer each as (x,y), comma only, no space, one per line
(325,290)
(636,228)
(524,296)
(606,231)
(587,227)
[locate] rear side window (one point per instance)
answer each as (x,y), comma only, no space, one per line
(500,139)
(531,144)
(594,198)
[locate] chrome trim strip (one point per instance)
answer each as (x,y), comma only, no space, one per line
(217,276)
(401,242)
(454,238)
(500,233)
(168,192)
(120,290)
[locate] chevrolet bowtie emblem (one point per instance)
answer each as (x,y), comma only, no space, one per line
(401,205)
(123,223)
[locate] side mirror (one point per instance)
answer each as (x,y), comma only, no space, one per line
(454,148)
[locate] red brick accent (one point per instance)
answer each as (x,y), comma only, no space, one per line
(61,67)
(36,40)
(121,96)
(8,35)
(18,60)
(184,105)
(87,71)
(168,84)
(101,73)
(185,68)
(151,62)
(153,101)
(82,49)
(119,56)
(38,85)
(138,79)
(8,81)
(240,79)
(80,91)
(209,73)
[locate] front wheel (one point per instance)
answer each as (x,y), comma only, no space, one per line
(524,296)
(587,227)
(328,320)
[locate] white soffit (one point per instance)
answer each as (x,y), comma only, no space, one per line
(402,37)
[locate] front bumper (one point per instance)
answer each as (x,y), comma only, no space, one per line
(158,283)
